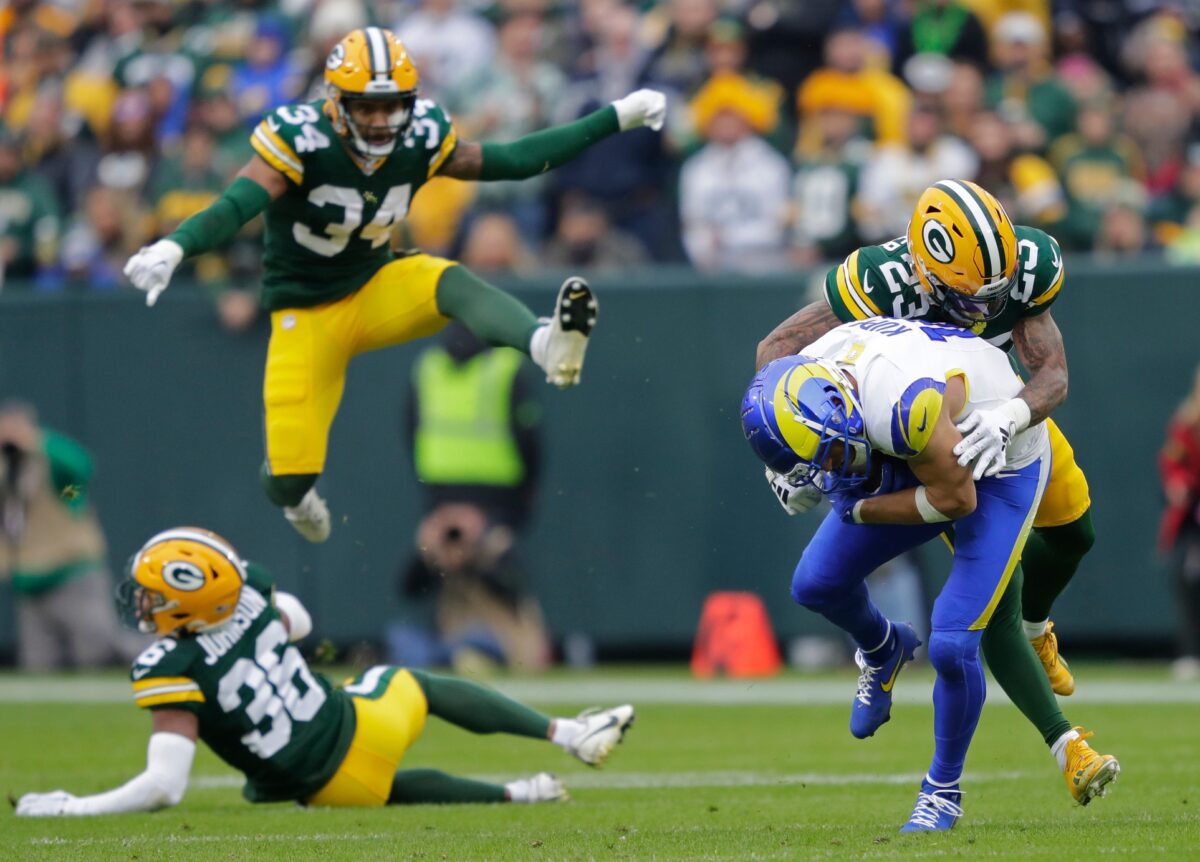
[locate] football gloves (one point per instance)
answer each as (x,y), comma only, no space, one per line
(986,435)
(795,499)
(641,108)
(151,268)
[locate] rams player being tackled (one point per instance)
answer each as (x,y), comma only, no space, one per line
(225,670)
(334,177)
(964,262)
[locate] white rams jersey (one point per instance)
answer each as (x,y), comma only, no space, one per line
(902,367)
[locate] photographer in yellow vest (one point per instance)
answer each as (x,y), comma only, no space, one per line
(473,431)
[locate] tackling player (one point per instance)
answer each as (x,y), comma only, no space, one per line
(225,671)
(896,388)
(964,262)
(334,176)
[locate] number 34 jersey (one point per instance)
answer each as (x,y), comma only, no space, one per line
(260,708)
(902,367)
(329,233)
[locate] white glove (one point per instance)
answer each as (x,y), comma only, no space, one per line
(50,804)
(986,435)
(150,269)
(641,108)
(795,499)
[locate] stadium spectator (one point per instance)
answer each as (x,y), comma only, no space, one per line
(586,239)
(896,174)
(786,36)
(826,185)
(493,246)
(449,44)
(58,150)
(266,78)
(945,27)
(29,217)
(677,62)
(474,439)
(1179,464)
(1025,91)
(1169,215)
(962,100)
(130,151)
(1025,183)
(879,20)
(1123,231)
(53,550)
(98,241)
(733,193)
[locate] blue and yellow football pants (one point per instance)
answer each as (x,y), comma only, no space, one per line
(311,347)
(829,579)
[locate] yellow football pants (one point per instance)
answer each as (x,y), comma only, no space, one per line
(311,347)
(387,727)
(1066,497)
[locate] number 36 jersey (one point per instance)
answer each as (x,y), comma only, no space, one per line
(902,367)
(260,708)
(329,233)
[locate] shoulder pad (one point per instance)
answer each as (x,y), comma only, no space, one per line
(161,675)
(1041,272)
(432,132)
(286,134)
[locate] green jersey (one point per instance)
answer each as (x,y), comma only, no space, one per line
(328,234)
(878,280)
(259,707)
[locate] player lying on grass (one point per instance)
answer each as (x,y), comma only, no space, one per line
(225,671)
(964,262)
(334,176)
(895,388)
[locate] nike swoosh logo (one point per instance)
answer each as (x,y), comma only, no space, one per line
(577,294)
(924,421)
(140,672)
(887,686)
(612,722)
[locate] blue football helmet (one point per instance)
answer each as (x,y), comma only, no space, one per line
(794,411)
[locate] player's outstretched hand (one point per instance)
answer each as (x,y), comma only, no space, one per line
(151,268)
(50,804)
(641,108)
(795,499)
(985,442)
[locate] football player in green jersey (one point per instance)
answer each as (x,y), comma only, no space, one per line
(225,671)
(334,176)
(964,262)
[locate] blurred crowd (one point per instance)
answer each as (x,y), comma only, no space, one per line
(798,129)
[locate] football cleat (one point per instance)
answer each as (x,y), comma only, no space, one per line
(602,730)
(1087,772)
(310,517)
(1057,669)
(575,314)
(937,809)
(543,787)
(873,701)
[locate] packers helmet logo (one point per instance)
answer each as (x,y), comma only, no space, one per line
(183,576)
(938,241)
(336,57)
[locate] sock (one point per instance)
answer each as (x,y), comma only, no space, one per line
(565,731)
(286,491)
(417,786)
(537,344)
(1050,558)
(1059,748)
(958,698)
(1017,668)
(1034,630)
(477,708)
(942,785)
(884,650)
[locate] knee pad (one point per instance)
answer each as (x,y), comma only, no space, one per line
(954,653)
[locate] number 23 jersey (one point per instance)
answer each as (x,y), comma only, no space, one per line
(260,708)
(902,367)
(329,233)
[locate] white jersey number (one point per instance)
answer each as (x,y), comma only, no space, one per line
(337,235)
(276,700)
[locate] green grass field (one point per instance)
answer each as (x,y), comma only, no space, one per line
(729,770)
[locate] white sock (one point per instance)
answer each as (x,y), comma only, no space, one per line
(565,731)
(1059,748)
(1034,630)
(882,643)
(519,790)
(940,785)
(538,343)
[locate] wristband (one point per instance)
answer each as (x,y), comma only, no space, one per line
(856,512)
(1018,411)
(929,514)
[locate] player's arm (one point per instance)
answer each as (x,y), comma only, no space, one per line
(169,758)
(1040,348)
(545,150)
(797,332)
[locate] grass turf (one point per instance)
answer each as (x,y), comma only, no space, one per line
(691,782)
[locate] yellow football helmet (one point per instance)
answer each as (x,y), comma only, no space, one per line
(182,580)
(371,64)
(964,250)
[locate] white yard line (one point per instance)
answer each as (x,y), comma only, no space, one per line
(643,691)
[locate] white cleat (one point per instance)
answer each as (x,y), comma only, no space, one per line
(543,787)
(310,517)
(602,730)
(575,313)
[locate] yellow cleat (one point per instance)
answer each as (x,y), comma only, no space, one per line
(1057,669)
(1088,773)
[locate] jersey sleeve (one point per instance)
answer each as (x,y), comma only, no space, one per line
(906,413)
(432,131)
(162,678)
(846,289)
(259,578)
(285,135)
(1042,269)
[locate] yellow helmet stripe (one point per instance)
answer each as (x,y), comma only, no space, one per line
(982,224)
(380,55)
(184,534)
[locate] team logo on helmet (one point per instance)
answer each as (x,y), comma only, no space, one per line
(336,57)
(183,576)
(938,241)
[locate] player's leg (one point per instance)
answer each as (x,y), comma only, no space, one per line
(591,736)
(302,388)
(430,786)
(1062,536)
(829,580)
